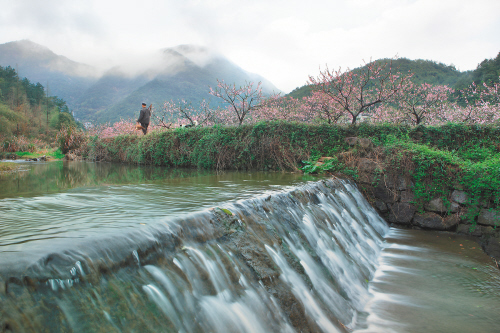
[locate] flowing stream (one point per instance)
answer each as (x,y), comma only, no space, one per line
(105,248)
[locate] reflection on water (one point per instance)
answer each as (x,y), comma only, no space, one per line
(54,205)
(43,178)
(330,247)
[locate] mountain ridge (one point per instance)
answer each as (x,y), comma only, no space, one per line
(173,73)
(427,71)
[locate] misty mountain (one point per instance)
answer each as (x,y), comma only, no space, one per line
(66,79)
(181,72)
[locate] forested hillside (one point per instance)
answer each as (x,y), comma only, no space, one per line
(64,77)
(434,73)
(26,110)
(488,71)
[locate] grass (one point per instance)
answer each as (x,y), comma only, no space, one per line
(54,154)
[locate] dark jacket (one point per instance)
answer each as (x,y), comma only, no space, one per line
(145,116)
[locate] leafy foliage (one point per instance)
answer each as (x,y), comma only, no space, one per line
(26,113)
(329,165)
(488,71)
(441,165)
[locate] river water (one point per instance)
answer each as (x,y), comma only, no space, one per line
(91,247)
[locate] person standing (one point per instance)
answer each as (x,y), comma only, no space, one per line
(144,117)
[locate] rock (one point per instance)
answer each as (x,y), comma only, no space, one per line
(468,229)
(489,217)
(364,143)
(492,247)
(366,178)
(454,207)
(43,158)
(401,213)
(429,220)
(367,165)
(351,141)
(398,182)
(386,195)
(381,206)
(451,221)
(437,205)
(407,196)
(402,184)
(471,230)
(459,196)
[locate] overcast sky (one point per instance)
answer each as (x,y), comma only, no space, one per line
(282,40)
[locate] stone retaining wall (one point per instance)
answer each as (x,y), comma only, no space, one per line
(391,193)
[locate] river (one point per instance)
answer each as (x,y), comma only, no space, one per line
(97,247)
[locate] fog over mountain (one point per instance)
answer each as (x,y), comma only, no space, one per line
(181,72)
(66,78)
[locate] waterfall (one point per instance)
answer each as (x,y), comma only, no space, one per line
(297,260)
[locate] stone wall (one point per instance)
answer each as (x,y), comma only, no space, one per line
(391,192)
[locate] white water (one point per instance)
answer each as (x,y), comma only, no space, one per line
(336,243)
(316,259)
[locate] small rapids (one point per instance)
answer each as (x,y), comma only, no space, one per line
(298,260)
(315,258)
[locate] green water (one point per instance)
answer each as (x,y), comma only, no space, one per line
(425,282)
(55,206)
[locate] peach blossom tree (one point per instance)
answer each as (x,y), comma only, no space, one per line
(356,91)
(241,101)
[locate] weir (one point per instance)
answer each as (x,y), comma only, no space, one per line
(298,260)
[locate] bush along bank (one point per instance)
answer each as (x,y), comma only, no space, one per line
(265,146)
(442,178)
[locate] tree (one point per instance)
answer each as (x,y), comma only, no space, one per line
(358,90)
(184,113)
(281,108)
(482,104)
(424,102)
(241,101)
(323,108)
(488,71)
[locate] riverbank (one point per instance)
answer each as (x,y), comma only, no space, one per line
(439,178)
(42,155)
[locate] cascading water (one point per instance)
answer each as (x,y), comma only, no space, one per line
(293,261)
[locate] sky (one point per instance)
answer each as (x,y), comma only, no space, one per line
(284,41)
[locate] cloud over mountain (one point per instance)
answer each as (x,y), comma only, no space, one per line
(181,72)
